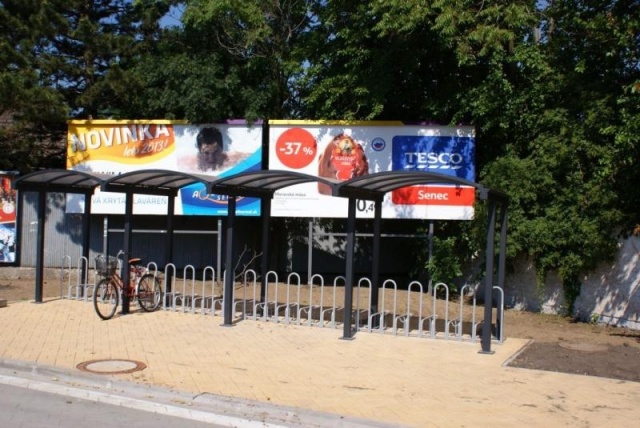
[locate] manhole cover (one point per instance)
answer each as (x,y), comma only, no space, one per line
(111,366)
(584,347)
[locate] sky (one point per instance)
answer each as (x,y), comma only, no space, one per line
(172,19)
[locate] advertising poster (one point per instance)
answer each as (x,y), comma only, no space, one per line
(8,216)
(116,147)
(342,150)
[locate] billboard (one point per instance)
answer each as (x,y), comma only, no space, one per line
(116,147)
(8,218)
(342,150)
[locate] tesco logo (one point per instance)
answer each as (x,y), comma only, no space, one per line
(433,160)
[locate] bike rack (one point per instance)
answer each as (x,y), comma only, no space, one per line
(382,313)
(332,310)
(405,319)
(201,296)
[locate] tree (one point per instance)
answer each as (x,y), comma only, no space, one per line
(362,66)
(550,87)
(570,182)
(60,60)
(255,45)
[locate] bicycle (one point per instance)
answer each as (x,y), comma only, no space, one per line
(144,286)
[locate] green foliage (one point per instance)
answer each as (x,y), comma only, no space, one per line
(453,247)
(59,60)
(446,263)
(258,44)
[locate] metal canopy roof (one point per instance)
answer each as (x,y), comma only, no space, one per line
(152,182)
(261,183)
(374,186)
(61,180)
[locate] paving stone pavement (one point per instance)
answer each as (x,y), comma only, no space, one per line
(380,378)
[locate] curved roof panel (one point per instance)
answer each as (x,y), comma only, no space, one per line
(262,183)
(374,186)
(60,180)
(152,182)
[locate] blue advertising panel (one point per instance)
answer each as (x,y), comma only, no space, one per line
(451,155)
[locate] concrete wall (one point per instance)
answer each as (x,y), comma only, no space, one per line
(523,293)
(610,294)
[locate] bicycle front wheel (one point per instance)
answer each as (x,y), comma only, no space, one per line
(106,299)
(149,293)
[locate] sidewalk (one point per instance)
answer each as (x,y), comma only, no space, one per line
(389,380)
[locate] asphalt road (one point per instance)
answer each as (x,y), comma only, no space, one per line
(22,407)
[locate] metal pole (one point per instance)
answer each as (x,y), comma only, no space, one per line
(86,240)
(168,256)
(348,291)
(42,201)
(375,271)
(488,284)
(264,266)
(105,235)
(219,250)
(128,214)
(310,252)
(228,263)
(501,263)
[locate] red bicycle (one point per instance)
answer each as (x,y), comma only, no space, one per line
(144,286)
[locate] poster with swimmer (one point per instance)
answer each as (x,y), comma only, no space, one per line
(116,147)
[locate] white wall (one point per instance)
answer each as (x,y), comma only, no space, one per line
(613,290)
(523,293)
(610,294)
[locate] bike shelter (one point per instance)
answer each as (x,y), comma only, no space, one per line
(263,184)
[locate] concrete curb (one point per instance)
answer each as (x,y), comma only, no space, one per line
(203,407)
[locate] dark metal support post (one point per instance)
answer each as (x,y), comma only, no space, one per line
(431,232)
(228,263)
(264,266)
(219,249)
(128,215)
(375,269)
(501,264)
(42,202)
(488,284)
(168,255)
(86,240)
(348,291)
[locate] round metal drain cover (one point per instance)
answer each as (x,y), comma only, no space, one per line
(111,366)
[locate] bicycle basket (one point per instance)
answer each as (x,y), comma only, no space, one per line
(106,267)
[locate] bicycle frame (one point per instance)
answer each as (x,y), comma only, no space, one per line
(142,285)
(135,273)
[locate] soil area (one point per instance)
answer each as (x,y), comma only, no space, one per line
(557,343)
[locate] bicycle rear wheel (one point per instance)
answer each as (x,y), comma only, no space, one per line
(106,299)
(149,293)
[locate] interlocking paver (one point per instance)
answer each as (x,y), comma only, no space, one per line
(408,381)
